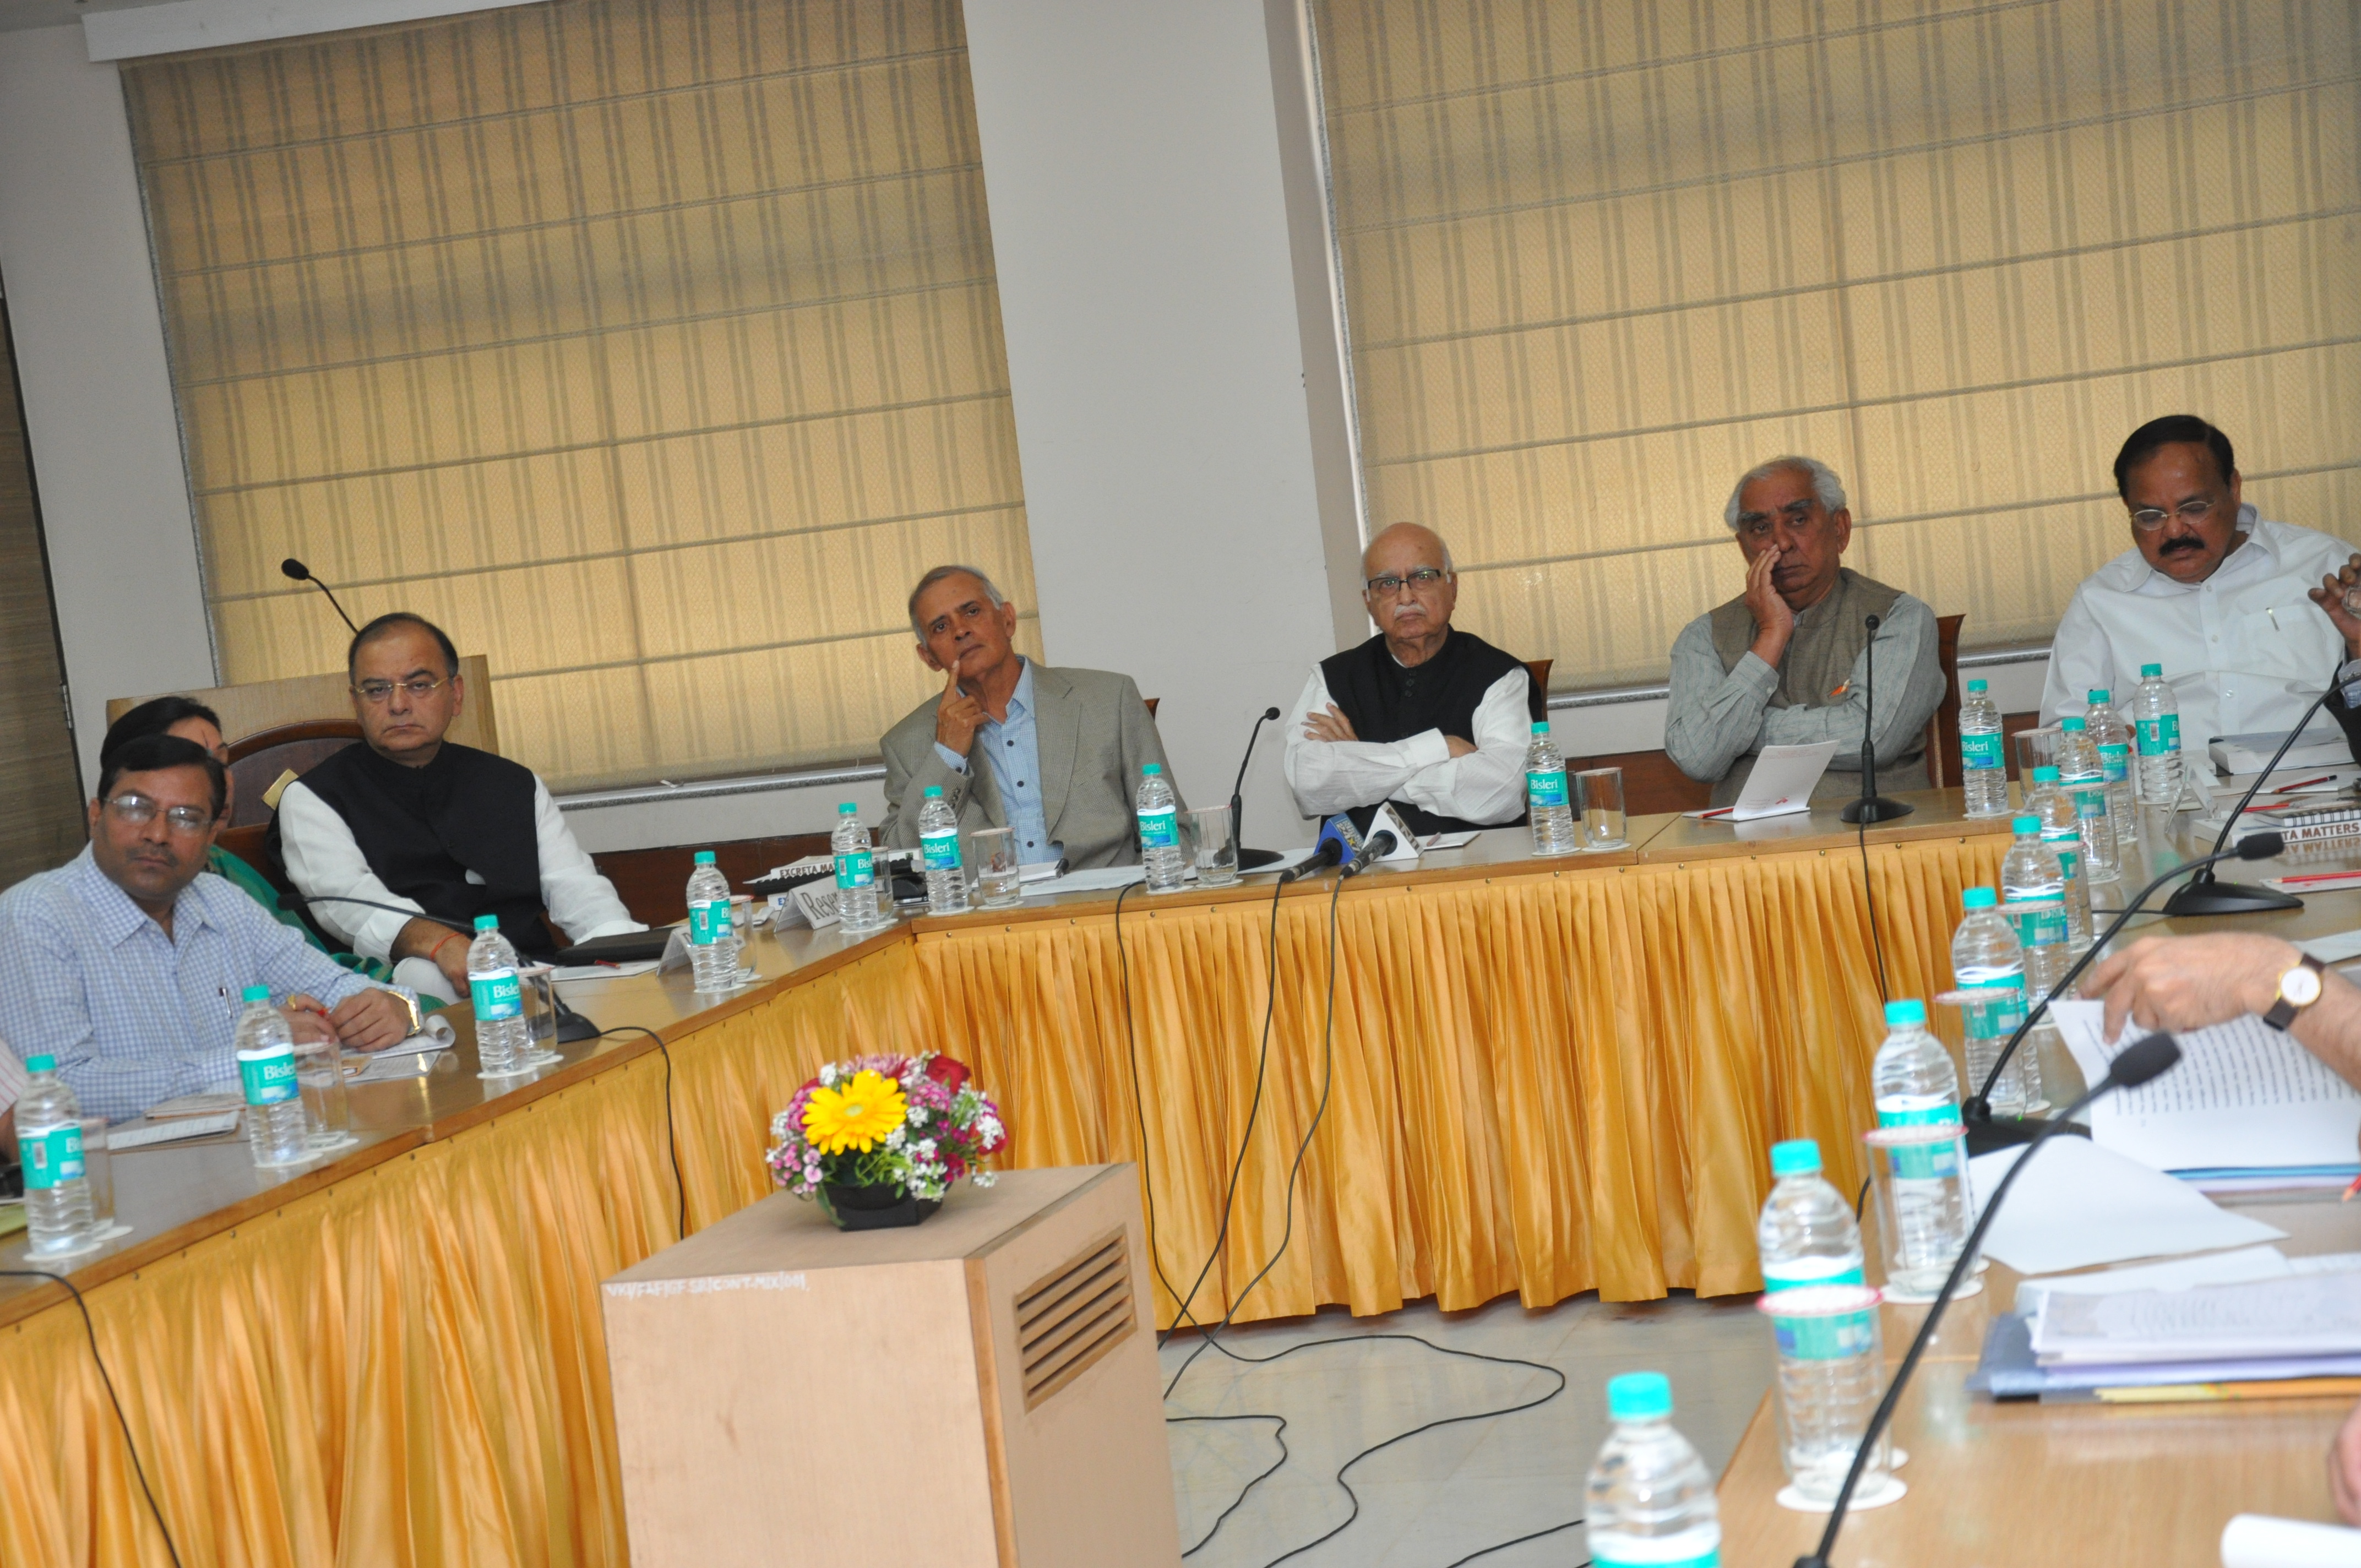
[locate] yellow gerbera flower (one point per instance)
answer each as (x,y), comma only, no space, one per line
(854,1116)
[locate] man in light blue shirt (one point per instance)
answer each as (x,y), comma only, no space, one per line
(1011,748)
(126,962)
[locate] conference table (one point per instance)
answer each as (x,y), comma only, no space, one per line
(1486,1073)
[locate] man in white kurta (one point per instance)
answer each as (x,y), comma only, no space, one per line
(2217,595)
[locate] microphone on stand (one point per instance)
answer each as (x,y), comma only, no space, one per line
(1339,841)
(295,569)
(1382,843)
(1872,806)
(571,1026)
(2135,1065)
(1248,859)
(2204,896)
(1986,1131)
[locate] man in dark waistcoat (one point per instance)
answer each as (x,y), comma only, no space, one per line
(412,819)
(1433,719)
(1782,664)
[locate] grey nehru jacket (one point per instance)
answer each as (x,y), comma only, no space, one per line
(1727,704)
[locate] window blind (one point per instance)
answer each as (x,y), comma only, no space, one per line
(649,346)
(1599,260)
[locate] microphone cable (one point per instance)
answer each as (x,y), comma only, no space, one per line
(90,1330)
(672,1137)
(1869,892)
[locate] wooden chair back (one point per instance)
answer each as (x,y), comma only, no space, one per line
(257,760)
(1943,728)
(261,706)
(1151,702)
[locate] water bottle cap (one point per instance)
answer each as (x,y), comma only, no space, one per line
(1638,1397)
(1977,687)
(1978,898)
(1796,1157)
(2101,696)
(2024,824)
(487,922)
(1906,1012)
(2045,775)
(42,1063)
(1542,728)
(2072,726)
(2151,672)
(704,858)
(850,808)
(1149,769)
(254,993)
(934,792)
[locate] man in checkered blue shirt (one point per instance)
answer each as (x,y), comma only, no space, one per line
(126,962)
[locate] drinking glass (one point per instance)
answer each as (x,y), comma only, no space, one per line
(2036,749)
(1598,800)
(992,853)
(1212,848)
(100,1172)
(1921,1175)
(319,1075)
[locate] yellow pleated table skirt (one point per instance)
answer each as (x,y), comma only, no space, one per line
(1541,1082)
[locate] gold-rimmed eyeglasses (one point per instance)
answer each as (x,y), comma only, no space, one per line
(419,689)
(2148,519)
(138,811)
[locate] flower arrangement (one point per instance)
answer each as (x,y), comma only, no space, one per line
(915,1124)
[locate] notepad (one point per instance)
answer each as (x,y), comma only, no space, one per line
(1780,785)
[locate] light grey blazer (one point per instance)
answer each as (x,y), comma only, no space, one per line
(1094,733)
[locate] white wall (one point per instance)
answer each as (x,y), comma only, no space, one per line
(1148,293)
(98,402)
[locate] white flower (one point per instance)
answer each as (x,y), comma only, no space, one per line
(918,1119)
(894,1139)
(983,1178)
(827,1075)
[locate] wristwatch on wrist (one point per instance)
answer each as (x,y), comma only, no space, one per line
(2299,989)
(417,1022)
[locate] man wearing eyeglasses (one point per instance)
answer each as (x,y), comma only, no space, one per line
(422,823)
(1434,720)
(126,963)
(2210,591)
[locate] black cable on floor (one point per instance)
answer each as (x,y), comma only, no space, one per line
(1504,1546)
(672,1137)
(1139,1099)
(1869,891)
(129,1447)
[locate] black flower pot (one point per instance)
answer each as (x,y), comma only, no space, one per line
(878,1207)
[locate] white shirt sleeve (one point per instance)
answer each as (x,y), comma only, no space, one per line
(1486,785)
(324,862)
(580,902)
(2079,661)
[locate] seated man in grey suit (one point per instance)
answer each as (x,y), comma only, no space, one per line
(1055,754)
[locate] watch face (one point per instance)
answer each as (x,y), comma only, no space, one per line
(2300,986)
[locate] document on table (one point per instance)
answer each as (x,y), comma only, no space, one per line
(2301,1314)
(2244,1096)
(2081,1205)
(1782,783)
(1105,879)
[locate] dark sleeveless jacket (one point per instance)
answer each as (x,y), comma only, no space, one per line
(424,829)
(1388,703)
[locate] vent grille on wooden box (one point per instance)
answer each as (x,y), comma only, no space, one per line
(1069,1320)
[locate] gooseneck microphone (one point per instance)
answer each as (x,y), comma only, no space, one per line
(571,1026)
(1329,852)
(295,569)
(2138,1063)
(1986,1131)
(1872,806)
(1248,859)
(1382,843)
(2204,896)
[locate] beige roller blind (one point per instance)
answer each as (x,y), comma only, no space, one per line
(651,346)
(1600,260)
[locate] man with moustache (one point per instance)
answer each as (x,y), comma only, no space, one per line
(2210,591)
(1785,664)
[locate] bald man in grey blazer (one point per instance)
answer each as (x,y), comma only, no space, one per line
(1054,754)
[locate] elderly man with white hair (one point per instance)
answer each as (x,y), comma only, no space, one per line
(1784,663)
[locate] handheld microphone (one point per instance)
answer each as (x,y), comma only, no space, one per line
(1986,1133)
(1248,859)
(1872,806)
(2204,896)
(1382,843)
(571,1026)
(295,569)
(2135,1065)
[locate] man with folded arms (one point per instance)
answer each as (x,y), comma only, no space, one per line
(1431,718)
(1054,754)
(1787,662)
(126,963)
(411,819)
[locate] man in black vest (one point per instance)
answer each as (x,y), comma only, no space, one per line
(1433,719)
(409,818)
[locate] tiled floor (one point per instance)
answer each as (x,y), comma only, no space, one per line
(1434,1498)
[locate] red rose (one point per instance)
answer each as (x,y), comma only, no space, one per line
(950,1074)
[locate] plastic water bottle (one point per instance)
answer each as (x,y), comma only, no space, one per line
(857,904)
(2156,718)
(1649,1498)
(2113,738)
(2086,785)
(503,1034)
(1160,853)
(1915,1086)
(1830,1374)
(58,1215)
(1912,1078)
(1806,1234)
(1547,802)
(712,943)
(938,850)
(277,1130)
(1987,958)
(1984,760)
(2061,829)
(2033,888)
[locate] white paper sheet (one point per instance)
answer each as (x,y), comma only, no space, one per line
(577,974)
(2301,1314)
(1106,879)
(2244,1095)
(2257,1541)
(2232,1267)
(1781,783)
(2081,1205)
(2342,947)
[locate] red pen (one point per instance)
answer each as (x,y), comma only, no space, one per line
(2347,1199)
(2303,784)
(1709,816)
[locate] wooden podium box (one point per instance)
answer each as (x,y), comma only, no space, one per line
(977,1391)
